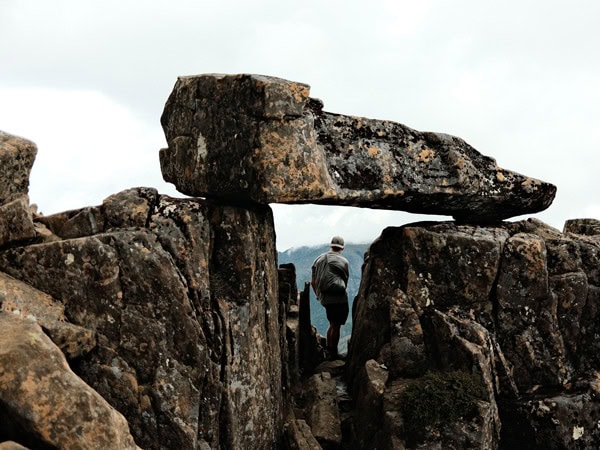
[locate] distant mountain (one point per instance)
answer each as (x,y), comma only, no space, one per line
(303,258)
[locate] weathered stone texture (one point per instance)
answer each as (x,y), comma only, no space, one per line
(322,410)
(298,436)
(251,138)
(564,421)
(517,304)
(43,395)
(21,299)
(174,313)
(16,223)
(589,227)
(16,160)
(369,403)
(182,296)
(227,134)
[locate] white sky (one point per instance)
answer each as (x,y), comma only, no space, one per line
(518,80)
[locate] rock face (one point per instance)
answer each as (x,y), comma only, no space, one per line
(46,397)
(516,305)
(251,138)
(165,323)
(23,300)
(16,160)
(323,413)
(182,296)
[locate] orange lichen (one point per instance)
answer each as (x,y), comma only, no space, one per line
(500,176)
(373,151)
(299,91)
(425,155)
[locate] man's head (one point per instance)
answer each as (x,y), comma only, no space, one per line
(337,243)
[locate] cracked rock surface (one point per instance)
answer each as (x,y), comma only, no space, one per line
(252,138)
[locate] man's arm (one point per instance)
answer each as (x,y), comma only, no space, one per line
(347,272)
(317,273)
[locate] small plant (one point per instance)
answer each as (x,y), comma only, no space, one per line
(440,397)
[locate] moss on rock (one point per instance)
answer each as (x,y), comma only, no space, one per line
(440,397)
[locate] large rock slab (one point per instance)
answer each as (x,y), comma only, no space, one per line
(23,300)
(528,325)
(517,303)
(183,298)
(252,138)
(322,410)
(43,396)
(16,160)
(369,403)
(412,269)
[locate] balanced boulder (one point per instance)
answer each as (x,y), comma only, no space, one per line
(250,138)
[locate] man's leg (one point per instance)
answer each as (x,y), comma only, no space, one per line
(333,337)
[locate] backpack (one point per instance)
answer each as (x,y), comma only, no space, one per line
(330,280)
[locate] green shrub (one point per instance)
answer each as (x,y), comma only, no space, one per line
(440,397)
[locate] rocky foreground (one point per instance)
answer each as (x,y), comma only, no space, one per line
(160,323)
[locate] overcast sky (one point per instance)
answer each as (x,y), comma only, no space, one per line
(518,80)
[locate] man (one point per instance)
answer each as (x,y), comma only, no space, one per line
(329,280)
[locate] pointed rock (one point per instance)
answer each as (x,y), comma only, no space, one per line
(16,160)
(252,138)
(16,223)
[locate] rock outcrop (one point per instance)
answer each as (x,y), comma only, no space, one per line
(515,305)
(182,298)
(40,393)
(16,160)
(155,322)
(25,301)
(251,138)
